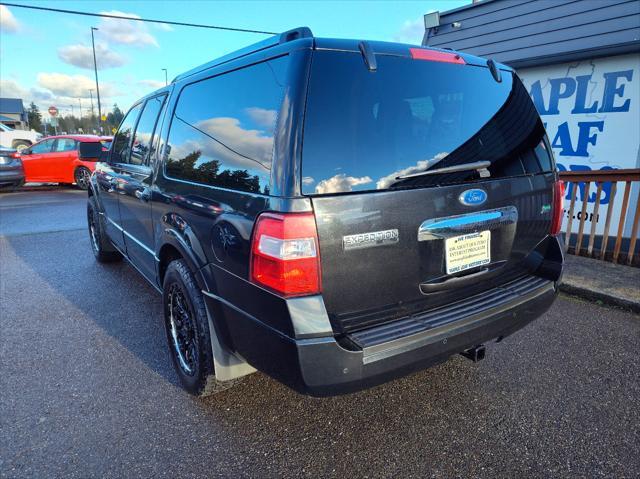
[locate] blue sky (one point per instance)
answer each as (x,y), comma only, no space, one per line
(46,57)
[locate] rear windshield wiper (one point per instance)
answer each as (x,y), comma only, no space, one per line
(481,166)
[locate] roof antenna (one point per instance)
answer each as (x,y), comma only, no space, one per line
(369,56)
(495,71)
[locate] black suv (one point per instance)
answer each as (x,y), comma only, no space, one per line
(334,213)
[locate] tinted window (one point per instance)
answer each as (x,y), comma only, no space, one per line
(144,131)
(43,147)
(65,144)
(222,129)
(122,140)
(363,130)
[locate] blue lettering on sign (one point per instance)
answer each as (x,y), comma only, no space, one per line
(581,96)
(577,89)
(612,90)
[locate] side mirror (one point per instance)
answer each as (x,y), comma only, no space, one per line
(90,151)
(24,151)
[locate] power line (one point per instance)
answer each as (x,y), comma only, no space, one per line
(122,17)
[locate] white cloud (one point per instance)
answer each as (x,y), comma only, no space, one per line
(228,131)
(341,183)
(126,32)
(422,165)
(411,31)
(12,89)
(262,117)
(82,56)
(74,86)
(308,180)
(153,84)
(8,23)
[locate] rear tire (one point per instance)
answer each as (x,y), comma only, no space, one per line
(17,185)
(188,335)
(102,248)
(12,187)
(82,176)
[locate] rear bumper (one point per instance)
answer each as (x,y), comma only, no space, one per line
(11,174)
(321,366)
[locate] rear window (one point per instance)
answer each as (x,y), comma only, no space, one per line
(364,130)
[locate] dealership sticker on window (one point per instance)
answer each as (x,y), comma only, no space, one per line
(467,251)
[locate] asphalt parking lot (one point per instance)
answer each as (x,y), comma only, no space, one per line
(87,388)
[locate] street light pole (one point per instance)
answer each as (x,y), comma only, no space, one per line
(95,69)
(166,82)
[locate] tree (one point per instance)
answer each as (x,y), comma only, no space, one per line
(35,117)
(115,116)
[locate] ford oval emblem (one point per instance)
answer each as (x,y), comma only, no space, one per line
(473,197)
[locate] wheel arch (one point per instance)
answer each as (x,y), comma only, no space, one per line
(20,141)
(171,250)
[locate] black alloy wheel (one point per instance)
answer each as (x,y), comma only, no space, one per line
(182,330)
(187,329)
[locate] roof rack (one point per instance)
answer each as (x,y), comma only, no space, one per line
(284,37)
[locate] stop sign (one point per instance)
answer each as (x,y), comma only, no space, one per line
(53,111)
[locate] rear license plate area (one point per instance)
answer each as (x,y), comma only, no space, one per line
(467,251)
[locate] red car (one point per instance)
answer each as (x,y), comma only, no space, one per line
(55,160)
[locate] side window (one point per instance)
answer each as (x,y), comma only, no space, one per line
(122,140)
(223,128)
(64,144)
(144,131)
(43,147)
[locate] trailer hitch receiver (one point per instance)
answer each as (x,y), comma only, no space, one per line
(475,353)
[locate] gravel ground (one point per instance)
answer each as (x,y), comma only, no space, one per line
(87,388)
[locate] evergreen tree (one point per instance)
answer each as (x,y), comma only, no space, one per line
(35,117)
(115,116)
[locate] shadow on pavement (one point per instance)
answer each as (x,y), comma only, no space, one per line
(113,295)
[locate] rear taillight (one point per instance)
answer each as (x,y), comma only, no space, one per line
(436,56)
(557,210)
(284,253)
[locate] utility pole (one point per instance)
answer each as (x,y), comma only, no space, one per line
(95,69)
(73,118)
(91,95)
(166,82)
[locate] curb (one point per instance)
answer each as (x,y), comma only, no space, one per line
(600,296)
